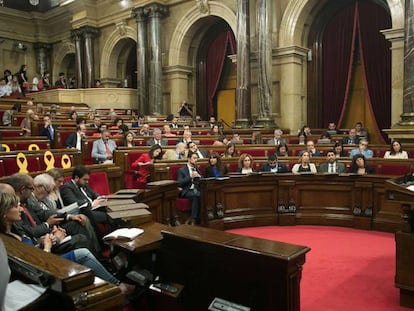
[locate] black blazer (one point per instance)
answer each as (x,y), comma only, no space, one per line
(71,193)
(44,131)
(184,179)
(71,141)
(281,168)
(210,173)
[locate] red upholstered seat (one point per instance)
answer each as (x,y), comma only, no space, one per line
(98,181)
(183,204)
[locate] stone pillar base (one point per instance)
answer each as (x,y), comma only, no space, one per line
(242,123)
(407,119)
(265,123)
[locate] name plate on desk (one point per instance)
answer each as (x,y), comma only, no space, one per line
(127,207)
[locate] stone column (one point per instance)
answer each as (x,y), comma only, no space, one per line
(264,70)
(155,13)
(243,103)
(77,36)
(142,66)
(42,57)
(407,118)
(88,34)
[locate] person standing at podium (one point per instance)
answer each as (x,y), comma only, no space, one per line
(188,177)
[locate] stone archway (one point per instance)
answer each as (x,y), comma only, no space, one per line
(62,55)
(114,45)
(187,36)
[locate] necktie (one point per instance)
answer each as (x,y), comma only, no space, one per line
(108,151)
(51,132)
(29,216)
(331,168)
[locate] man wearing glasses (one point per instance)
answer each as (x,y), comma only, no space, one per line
(362,149)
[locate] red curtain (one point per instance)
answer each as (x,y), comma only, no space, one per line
(337,54)
(376,60)
(217,52)
(364,20)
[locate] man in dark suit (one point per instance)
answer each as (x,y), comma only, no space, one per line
(78,191)
(352,138)
(157,139)
(74,140)
(332,166)
(274,166)
(192,146)
(187,177)
(48,129)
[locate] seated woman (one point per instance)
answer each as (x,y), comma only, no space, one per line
(221,141)
(215,130)
(302,138)
(215,168)
(144,161)
(339,150)
(128,139)
(396,151)
(230,151)
(304,164)
(10,211)
(359,165)
(282,150)
(246,164)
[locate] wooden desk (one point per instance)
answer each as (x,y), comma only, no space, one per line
(317,199)
(68,278)
(404,275)
(261,274)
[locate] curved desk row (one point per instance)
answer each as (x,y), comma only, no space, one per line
(365,202)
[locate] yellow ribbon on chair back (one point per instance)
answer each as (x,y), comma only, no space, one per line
(6,147)
(66,163)
(33,147)
(49,159)
(22,163)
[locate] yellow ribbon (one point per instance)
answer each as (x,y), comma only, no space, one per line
(49,159)
(33,147)
(65,161)
(22,163)
(6,147)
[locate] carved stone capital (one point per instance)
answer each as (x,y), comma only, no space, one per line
(139,14)
(156,10)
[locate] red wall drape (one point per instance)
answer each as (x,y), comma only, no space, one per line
(217,52)
(337,54)
(364,19)
(376,60)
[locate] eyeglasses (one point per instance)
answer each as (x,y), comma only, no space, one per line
(47,189)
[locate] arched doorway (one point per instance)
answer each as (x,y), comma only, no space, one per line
(216,74)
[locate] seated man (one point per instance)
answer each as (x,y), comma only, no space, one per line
(192,146)
(352,138)
(277,138)
(157,139)
(361,132)
(332,166)
(310,146)
(74,140)
(274,166)
(103,148)
(362,149)
(187,179)
(177,154)
(332,130)
(78,191)
(48,129)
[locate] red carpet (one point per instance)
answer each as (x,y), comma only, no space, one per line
(346,269)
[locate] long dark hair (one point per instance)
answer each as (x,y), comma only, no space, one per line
(151,152)
(392,152)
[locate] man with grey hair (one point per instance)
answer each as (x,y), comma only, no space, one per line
(177,154)
(277,138)
(157,139)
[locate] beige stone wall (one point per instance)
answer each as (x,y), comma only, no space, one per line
(183,29)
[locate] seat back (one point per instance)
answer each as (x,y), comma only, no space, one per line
(98,181)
